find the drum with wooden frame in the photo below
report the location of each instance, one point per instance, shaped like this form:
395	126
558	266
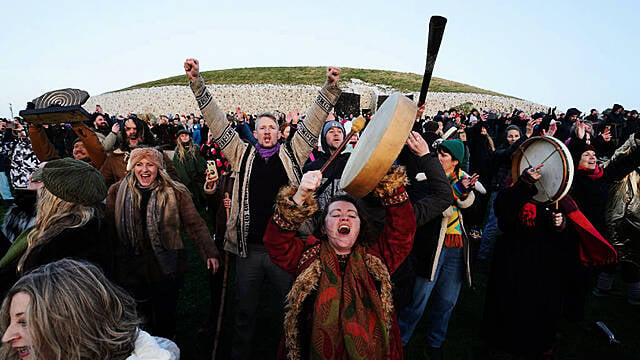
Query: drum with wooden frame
379	145
557	172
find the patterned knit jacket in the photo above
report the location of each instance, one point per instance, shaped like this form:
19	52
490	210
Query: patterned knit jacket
241	154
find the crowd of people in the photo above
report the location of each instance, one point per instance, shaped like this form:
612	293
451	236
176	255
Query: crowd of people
117	195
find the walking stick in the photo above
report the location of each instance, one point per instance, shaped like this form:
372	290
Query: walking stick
222	295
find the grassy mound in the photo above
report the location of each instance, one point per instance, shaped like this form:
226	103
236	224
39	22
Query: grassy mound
301	75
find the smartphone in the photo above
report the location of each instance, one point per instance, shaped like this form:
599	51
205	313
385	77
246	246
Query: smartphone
212	168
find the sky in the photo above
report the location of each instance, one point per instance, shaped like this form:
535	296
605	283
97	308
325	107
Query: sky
582	54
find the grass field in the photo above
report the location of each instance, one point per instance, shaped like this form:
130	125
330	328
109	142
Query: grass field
406	82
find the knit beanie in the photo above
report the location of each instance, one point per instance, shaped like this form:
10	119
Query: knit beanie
147	153
325	129
72	180
577	147
455	147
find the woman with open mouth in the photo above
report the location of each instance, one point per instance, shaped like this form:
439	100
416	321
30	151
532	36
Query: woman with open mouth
340	305
149	209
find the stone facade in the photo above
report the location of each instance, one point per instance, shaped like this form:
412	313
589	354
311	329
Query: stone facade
255	98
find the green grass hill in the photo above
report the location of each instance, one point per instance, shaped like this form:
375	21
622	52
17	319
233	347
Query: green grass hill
301	75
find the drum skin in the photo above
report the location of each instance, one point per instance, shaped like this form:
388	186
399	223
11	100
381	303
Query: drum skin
379	146
557	172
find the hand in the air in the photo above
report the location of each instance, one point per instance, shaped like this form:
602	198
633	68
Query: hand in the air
115	128
309	183
553	127
333	75
470	182
192	68
417	144
606	136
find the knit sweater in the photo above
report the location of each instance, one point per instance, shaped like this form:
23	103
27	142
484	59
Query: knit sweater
241	155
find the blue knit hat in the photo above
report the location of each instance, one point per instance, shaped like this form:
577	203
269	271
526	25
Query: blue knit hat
325	129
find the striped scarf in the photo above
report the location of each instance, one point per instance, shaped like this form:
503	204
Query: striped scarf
453	235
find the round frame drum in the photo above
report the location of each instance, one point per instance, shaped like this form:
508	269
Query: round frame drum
557	172
379	146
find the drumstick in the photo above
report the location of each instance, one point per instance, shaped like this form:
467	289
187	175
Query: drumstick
356	126
449	132
436	31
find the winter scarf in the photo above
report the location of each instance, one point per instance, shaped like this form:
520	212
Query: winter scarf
594	249
350	318
453	237
594	174
128	227
266	153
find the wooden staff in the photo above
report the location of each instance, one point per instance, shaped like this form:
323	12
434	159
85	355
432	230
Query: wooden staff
222	294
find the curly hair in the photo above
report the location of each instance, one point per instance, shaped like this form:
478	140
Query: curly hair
74	313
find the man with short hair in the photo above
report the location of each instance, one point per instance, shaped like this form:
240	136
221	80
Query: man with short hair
261	170
330	139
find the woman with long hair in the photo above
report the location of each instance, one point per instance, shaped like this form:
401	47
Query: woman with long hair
69	219
69	310
149	209
190	166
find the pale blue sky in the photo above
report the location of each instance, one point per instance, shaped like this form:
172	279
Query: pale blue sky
565	53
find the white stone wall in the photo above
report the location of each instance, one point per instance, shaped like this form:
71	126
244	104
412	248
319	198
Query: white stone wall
255	98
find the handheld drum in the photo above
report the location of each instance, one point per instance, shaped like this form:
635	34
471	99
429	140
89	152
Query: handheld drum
379	145
557	172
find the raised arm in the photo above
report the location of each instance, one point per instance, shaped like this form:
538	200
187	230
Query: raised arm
308	131
223	133
91	143
42	147
438	196
396	240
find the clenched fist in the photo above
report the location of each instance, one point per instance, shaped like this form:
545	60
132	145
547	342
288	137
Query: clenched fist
192	68
333	75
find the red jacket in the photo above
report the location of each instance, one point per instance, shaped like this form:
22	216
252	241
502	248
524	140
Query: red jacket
392	247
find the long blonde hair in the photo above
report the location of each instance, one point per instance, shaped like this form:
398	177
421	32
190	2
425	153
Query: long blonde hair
74	313
52	212
163	182
186	150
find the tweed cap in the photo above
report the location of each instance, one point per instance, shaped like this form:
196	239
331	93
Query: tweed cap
183	131
72	180
148	153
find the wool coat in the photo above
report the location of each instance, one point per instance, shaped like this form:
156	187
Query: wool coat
241	155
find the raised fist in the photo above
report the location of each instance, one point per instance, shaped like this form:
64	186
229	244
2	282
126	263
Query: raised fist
192	68
333	75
